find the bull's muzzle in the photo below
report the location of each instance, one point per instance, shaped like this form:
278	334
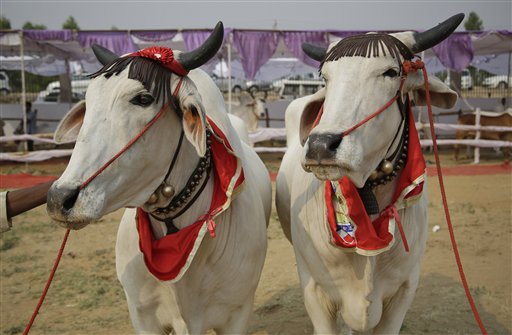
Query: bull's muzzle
322	148
61	201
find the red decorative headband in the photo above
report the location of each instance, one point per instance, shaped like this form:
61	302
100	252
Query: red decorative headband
164	56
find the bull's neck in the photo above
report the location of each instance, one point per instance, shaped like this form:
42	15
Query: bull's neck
384	194
193	189
199	207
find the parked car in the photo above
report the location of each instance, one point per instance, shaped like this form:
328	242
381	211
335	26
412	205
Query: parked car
237	85
4	83
259	86
466	81
297	86
79	84
500	81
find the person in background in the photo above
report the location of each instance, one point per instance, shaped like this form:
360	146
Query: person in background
500	108
19	201
31	125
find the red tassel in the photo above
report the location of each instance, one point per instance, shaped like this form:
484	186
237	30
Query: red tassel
211	227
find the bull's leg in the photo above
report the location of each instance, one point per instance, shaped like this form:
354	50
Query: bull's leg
145	322
506	154
456	152
395	309
238	321
320	311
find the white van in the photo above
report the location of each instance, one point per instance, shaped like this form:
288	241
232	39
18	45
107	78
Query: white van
293	89
79	84
466	82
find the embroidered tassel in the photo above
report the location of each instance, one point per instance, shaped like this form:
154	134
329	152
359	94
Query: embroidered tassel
208	218
211	227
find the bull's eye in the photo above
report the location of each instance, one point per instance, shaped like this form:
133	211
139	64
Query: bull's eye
390	73
143	99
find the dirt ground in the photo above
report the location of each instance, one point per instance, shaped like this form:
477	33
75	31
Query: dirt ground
86	298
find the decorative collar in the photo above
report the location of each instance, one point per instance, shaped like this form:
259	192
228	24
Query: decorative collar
348	220
169	257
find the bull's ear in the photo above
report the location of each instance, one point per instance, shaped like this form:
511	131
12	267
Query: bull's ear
194	123
440	94
309	114
69	127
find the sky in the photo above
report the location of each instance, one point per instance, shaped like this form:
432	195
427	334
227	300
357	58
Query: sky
247	14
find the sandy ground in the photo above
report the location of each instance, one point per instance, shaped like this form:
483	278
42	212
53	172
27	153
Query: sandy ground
86	298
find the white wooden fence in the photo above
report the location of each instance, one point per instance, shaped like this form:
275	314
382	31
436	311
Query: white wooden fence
264	134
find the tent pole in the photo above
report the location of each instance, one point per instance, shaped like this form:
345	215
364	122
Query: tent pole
23	89
229	74
509	89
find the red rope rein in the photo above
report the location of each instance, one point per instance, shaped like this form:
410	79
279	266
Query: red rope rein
447	211
48	282
82	186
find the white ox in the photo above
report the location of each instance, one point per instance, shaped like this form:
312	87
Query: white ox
217	289
250	110
370	291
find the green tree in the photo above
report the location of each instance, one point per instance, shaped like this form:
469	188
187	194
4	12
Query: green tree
70	24
30	25
114	28
4	22
473	22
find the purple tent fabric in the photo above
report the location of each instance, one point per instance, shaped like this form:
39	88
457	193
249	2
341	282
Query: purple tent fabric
118	42
456	52
294	40
255	49
194	38
48	35
155	36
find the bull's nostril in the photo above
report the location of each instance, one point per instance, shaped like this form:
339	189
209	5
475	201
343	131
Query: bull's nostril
70	200
336	143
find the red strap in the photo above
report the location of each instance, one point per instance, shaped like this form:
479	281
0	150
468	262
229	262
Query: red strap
447	211
391	212
133	140
368	118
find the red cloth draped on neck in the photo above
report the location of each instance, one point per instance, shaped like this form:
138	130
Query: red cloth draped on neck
168	258
370	238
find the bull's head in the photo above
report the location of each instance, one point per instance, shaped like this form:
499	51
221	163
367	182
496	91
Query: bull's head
121	100
360	78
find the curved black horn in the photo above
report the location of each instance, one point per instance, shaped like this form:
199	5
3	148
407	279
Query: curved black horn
103	55
196	58
313	51
435	35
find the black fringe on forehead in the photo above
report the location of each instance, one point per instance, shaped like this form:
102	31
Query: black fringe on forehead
154	77
369	45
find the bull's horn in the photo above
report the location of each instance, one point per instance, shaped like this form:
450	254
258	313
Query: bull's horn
313	51
103	55
196	58
435	35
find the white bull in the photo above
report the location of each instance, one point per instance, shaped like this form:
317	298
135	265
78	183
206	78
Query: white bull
214	286
250	110
347	267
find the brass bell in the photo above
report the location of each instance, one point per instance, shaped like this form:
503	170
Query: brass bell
152	199
386	167
374	175
168	191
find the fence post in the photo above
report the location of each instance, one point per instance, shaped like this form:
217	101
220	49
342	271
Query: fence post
477	136
267	120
